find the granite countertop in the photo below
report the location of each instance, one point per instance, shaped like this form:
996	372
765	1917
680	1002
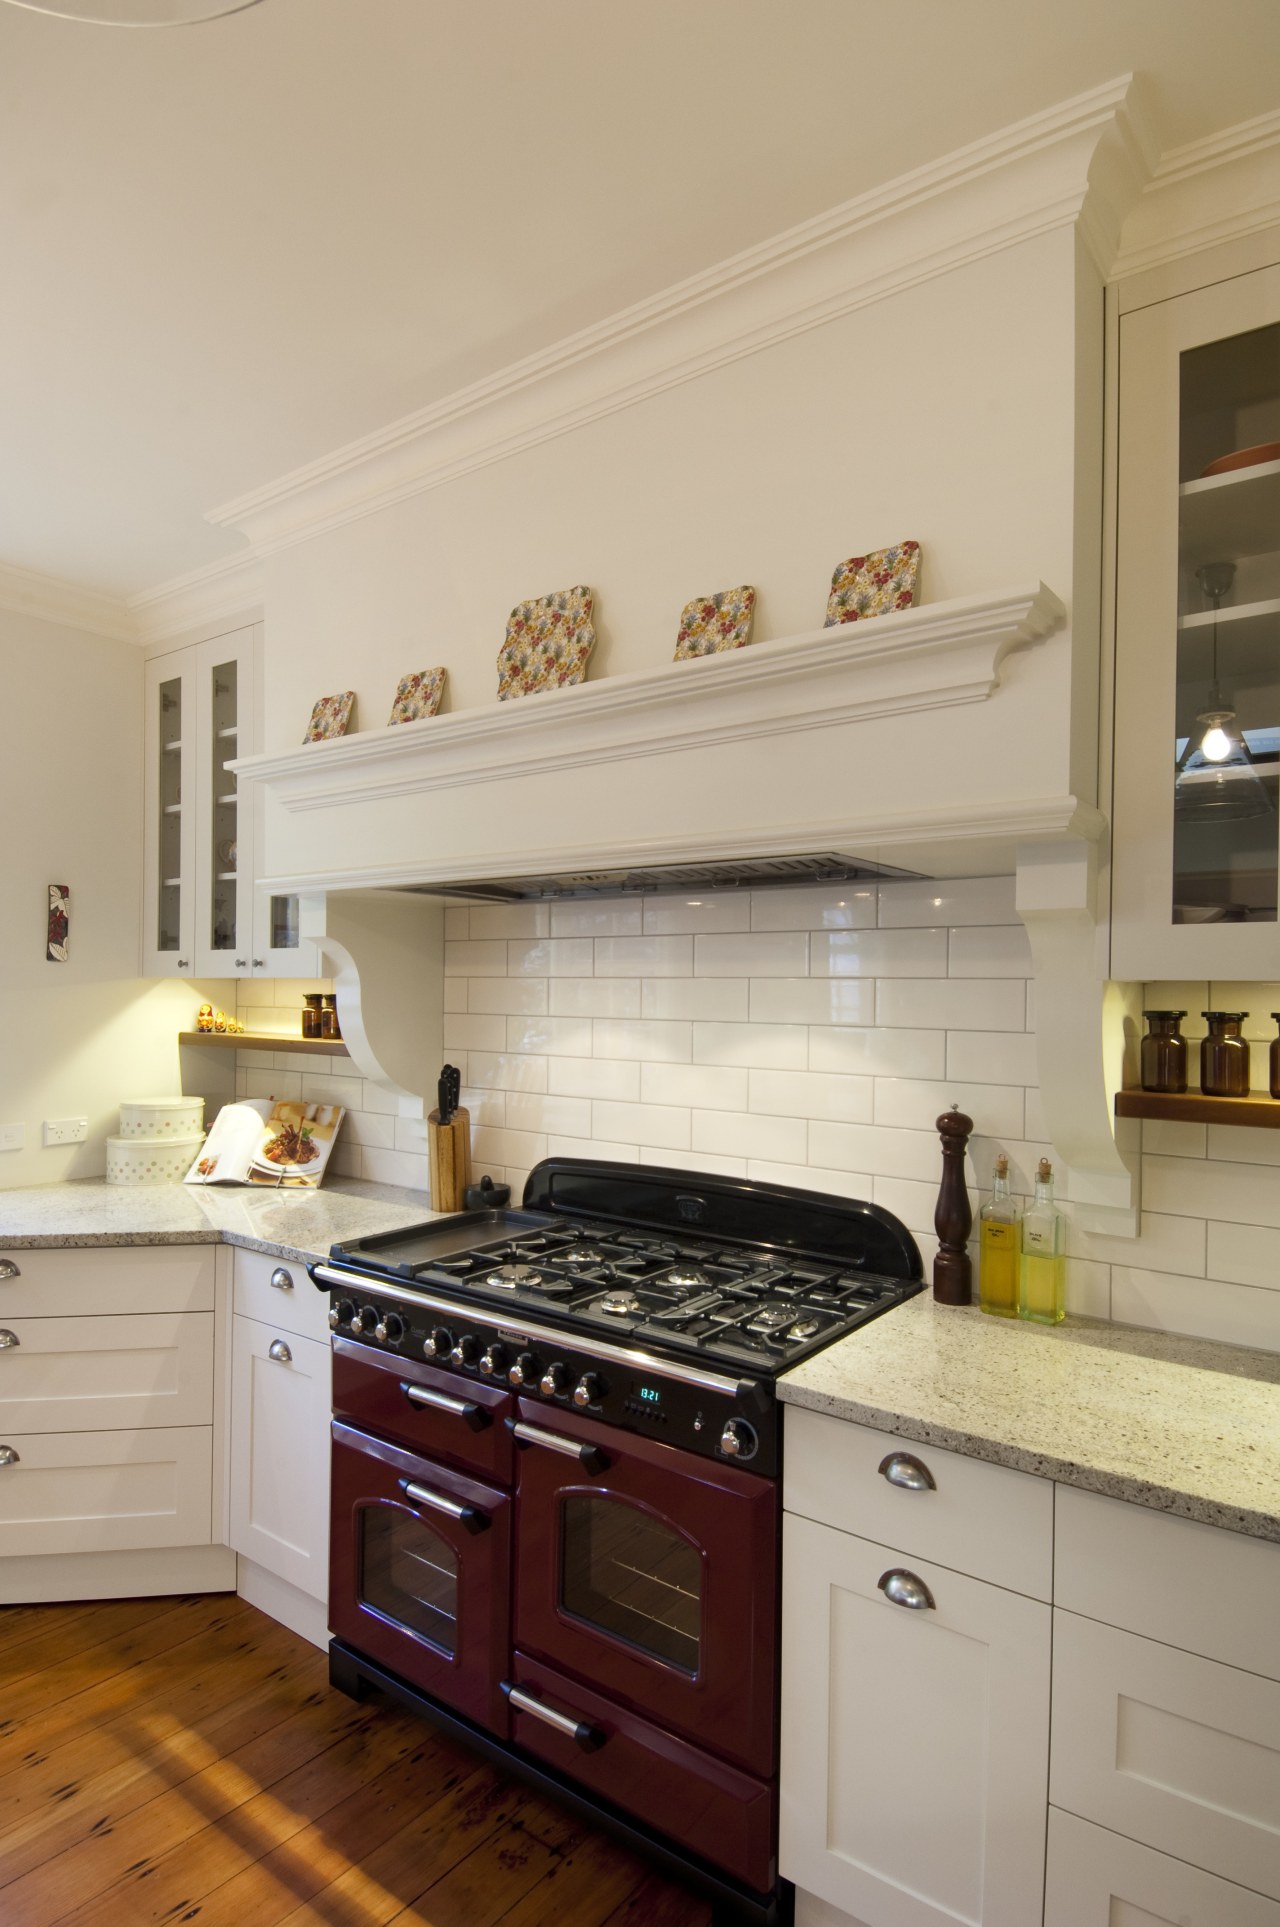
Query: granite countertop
1180	1424
289	1224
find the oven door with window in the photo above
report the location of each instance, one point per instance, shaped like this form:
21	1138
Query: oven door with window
651	1574
420	1572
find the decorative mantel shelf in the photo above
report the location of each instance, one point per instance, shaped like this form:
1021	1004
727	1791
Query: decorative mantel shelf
244	1040
1257	1111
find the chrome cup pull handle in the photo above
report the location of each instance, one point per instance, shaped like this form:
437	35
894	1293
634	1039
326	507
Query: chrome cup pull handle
582	1732
282	1279
9	1341
903	1588
589	1456
905	1470
472	1415
8	1270
469	1516
8	1456
278	1350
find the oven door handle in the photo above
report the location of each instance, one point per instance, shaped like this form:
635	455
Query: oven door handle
587	1455
581	1732
471	1414
469	1516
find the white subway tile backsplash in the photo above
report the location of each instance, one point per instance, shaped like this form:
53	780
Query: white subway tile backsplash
963	900
522	996
977	951
872	1147
648	956
367	1127
878	953
1245	1254
910	1199
811	1094
317	1088
808	1177
914	1105
1161	1137
695	997
271	1084
665	1126
593	1077
510	920
1164	1243
455	992
696	1161
717	910
992	1056
490	1146
595	997
552	957
1034	1125
411	1134
779	1047
570	1116
472	958
374	1098
757	953
395	1167
484	1107
591	1147
1241	1144
821	906
474	1033
931	1003
781	1139
457	922
598	918
1234	1314
1088	1289
714	1087
1197	1188
506	1071
652	1042
550	1036
879	1053
812	1000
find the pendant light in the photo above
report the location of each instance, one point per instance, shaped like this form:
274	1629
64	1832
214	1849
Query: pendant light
136	13
1216	779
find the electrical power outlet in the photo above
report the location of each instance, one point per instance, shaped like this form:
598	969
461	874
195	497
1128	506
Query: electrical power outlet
66	1130
13	1137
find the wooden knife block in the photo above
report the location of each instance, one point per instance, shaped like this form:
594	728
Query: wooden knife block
449	1159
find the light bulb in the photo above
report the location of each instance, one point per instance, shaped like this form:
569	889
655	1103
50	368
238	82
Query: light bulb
1216	746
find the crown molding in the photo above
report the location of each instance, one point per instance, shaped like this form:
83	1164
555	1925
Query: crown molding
192	601
1211	191
29	593
1214	150
1084	159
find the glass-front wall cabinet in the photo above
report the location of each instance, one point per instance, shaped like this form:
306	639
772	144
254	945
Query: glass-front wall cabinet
1196	860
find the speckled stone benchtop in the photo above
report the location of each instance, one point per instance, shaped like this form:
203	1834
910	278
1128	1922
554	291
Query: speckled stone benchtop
1180	1424
289	1224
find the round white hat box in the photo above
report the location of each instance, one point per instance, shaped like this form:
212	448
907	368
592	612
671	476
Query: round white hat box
165	1117
150	1160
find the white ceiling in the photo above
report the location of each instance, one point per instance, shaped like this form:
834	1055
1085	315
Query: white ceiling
227	249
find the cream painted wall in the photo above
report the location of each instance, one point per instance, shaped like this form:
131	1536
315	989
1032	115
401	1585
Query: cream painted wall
79	1036
947	413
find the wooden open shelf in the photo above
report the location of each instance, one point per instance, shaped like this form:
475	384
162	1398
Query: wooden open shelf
1193	1107
243	1040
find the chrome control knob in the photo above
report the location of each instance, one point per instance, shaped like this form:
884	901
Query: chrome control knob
364	1321
739	1440
341	1313
589	1389
439	1344
524	1371
494	1361
465	1351
389	1328
554	1381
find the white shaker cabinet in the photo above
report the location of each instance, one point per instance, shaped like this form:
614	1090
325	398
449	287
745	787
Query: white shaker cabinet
915	1696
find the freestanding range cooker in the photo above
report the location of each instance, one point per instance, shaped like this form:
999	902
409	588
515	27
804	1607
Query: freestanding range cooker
555	1511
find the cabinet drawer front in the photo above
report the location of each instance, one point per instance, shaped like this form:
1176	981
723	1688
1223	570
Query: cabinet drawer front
976	1518
107	1491
1178	1752
295	1306
1098	1879
107	1280
915	1744
279	1496
107	1374
1198	1587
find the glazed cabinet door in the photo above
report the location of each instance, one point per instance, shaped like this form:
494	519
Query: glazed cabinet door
169	829
279	1495
915	1737
224	684
1196	846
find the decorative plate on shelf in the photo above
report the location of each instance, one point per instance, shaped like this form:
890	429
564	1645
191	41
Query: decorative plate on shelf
711	623
1243	458
330	717
874	584
417	696
548	644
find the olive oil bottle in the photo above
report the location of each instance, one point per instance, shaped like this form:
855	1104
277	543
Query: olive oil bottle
998	1247
1043	1265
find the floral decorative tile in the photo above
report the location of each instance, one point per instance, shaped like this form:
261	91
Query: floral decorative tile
875	584
417	696
548	643
711	623
330	717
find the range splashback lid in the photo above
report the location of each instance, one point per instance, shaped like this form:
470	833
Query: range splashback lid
747	873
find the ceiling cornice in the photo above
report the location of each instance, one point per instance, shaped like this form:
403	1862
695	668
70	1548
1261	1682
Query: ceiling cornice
1082	160
29	593
1208	192
194	600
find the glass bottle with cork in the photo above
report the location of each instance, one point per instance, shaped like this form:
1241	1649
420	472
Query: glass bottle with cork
1042	1264
998	1247
1224	1055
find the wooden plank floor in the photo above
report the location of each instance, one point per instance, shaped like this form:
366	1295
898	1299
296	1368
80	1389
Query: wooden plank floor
170	1760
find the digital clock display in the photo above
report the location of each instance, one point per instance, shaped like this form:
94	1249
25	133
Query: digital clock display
649	1395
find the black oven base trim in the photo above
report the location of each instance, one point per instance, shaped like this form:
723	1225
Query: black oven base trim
352	1673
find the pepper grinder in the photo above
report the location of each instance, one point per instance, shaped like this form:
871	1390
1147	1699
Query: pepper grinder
953	1218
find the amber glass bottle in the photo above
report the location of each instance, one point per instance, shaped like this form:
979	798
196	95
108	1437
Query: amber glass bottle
1164	1052
1274	1085
1224	1055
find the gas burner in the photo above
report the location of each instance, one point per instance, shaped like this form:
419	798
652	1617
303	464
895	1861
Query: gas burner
580	1255
514	1277
619	1304
684	1274
805	1328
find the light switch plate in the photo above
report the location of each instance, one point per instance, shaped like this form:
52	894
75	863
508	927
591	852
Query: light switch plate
13	1137
66	1130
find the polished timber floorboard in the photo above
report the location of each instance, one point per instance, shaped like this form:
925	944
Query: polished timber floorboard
170	1760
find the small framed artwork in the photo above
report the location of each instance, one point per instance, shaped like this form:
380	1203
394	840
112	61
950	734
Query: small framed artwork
331	717
874	584
417	696
711	623
59	923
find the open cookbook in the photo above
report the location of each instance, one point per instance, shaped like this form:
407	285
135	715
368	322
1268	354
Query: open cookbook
282	1143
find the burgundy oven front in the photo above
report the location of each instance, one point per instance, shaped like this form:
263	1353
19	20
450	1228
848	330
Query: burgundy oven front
602	1601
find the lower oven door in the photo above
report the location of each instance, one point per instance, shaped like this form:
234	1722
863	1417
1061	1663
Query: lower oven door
420	1572
651	1574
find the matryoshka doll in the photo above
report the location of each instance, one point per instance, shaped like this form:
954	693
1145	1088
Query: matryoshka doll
204	1017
